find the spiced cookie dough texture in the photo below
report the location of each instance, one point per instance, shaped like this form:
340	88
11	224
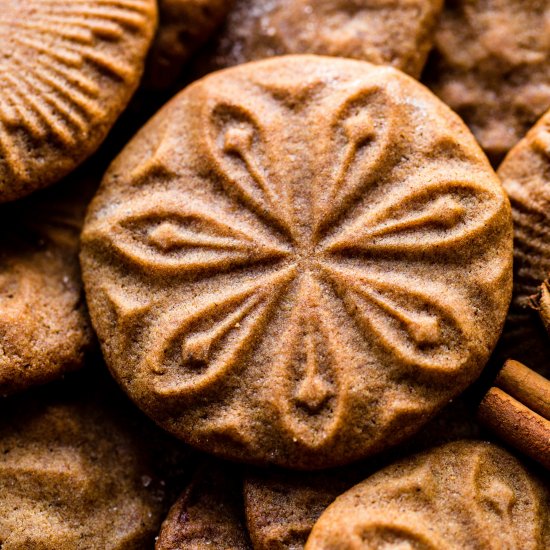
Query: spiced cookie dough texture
492	66
525	175
464	495
392	32
67	70
72	477
44	326
298	271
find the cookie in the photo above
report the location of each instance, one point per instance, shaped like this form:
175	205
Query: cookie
282	506
44	325
298	271
184	26
209	513
67	71
464	495
73	476
525	175
491	65
392	32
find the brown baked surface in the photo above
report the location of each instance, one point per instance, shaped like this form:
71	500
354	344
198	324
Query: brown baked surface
44	325
491	65
392	32
525	174
463	495
209	513
299	272
67	70
184	26
73	475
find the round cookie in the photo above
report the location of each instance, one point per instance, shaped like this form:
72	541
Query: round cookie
44	325
392	32
208	514
67	71
491	64
298	271
463	495
184	26
525	175
73	476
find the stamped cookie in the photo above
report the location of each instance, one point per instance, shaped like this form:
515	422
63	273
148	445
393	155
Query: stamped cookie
392	32
491	65
298	271
209	513
464	495
67	70
184	26
525	174
73	477
44	326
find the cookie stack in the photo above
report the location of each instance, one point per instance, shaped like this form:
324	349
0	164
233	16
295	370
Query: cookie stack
256	278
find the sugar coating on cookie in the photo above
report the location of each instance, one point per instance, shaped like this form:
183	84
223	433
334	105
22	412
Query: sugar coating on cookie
298	261
492	66
67	71
392	32
463	495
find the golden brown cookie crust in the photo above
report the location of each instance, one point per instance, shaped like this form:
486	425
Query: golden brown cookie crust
72	476
525	175
392	32
464	495
44	325
298	271
67	71
492	66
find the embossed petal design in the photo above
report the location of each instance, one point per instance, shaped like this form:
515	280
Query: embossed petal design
305	257
78	49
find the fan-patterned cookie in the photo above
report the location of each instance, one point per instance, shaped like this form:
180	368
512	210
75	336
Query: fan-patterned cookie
463	495
298	270
67	70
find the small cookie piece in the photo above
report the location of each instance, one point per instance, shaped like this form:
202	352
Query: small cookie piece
67	70
72	476
44	325
209	513
525	175
491	64
392	32
184	26
298	271
463	495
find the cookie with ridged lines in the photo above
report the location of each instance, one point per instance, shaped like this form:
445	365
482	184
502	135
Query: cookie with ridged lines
393	32
74	474
44	325
67	71
525	175
463	495
281	506
298	271
208	514
491	64
184	26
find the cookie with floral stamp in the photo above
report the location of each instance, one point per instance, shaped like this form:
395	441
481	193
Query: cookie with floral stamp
298	271
463	495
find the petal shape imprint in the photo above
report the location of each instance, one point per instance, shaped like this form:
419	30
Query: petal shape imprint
168	235
237	142
428	329
209	338
310	400
421	219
